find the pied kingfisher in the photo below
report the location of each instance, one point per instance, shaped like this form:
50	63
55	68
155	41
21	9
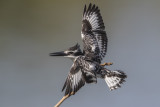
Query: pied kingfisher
87	65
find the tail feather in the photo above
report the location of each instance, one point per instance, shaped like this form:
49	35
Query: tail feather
114	79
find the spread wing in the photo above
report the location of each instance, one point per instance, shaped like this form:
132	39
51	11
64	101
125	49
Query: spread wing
77	78
93	34
74	81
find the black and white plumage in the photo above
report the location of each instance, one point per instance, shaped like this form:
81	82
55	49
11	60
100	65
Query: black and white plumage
84	70
86	66
81	72
75	80
93	34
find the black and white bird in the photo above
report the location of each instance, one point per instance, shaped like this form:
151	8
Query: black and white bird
87	65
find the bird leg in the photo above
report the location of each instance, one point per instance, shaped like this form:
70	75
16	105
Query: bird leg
107	64
64	98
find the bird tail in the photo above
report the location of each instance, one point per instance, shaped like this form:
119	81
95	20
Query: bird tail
114	79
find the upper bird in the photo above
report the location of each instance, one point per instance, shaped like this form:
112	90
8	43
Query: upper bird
87	65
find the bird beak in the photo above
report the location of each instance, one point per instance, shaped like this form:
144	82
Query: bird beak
58	54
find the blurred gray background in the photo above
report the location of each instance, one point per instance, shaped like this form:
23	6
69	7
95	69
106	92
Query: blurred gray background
31	29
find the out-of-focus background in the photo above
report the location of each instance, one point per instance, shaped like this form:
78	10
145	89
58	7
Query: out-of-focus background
31	29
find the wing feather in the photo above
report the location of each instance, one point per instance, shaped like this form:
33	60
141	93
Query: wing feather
78	76
74	81
93	33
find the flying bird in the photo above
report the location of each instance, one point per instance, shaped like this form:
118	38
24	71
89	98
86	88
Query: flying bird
87	67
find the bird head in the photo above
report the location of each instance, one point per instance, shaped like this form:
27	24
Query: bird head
72	52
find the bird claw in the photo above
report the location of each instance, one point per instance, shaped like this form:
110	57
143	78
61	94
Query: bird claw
107	64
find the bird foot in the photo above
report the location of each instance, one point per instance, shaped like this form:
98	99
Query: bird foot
107	64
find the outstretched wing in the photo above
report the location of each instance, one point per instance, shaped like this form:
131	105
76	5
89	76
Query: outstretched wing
74	81
78	76
93	34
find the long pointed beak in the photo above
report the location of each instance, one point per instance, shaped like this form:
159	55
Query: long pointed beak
58	54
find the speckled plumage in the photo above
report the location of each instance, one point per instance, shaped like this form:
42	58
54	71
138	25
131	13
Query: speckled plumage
86	66
93	34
